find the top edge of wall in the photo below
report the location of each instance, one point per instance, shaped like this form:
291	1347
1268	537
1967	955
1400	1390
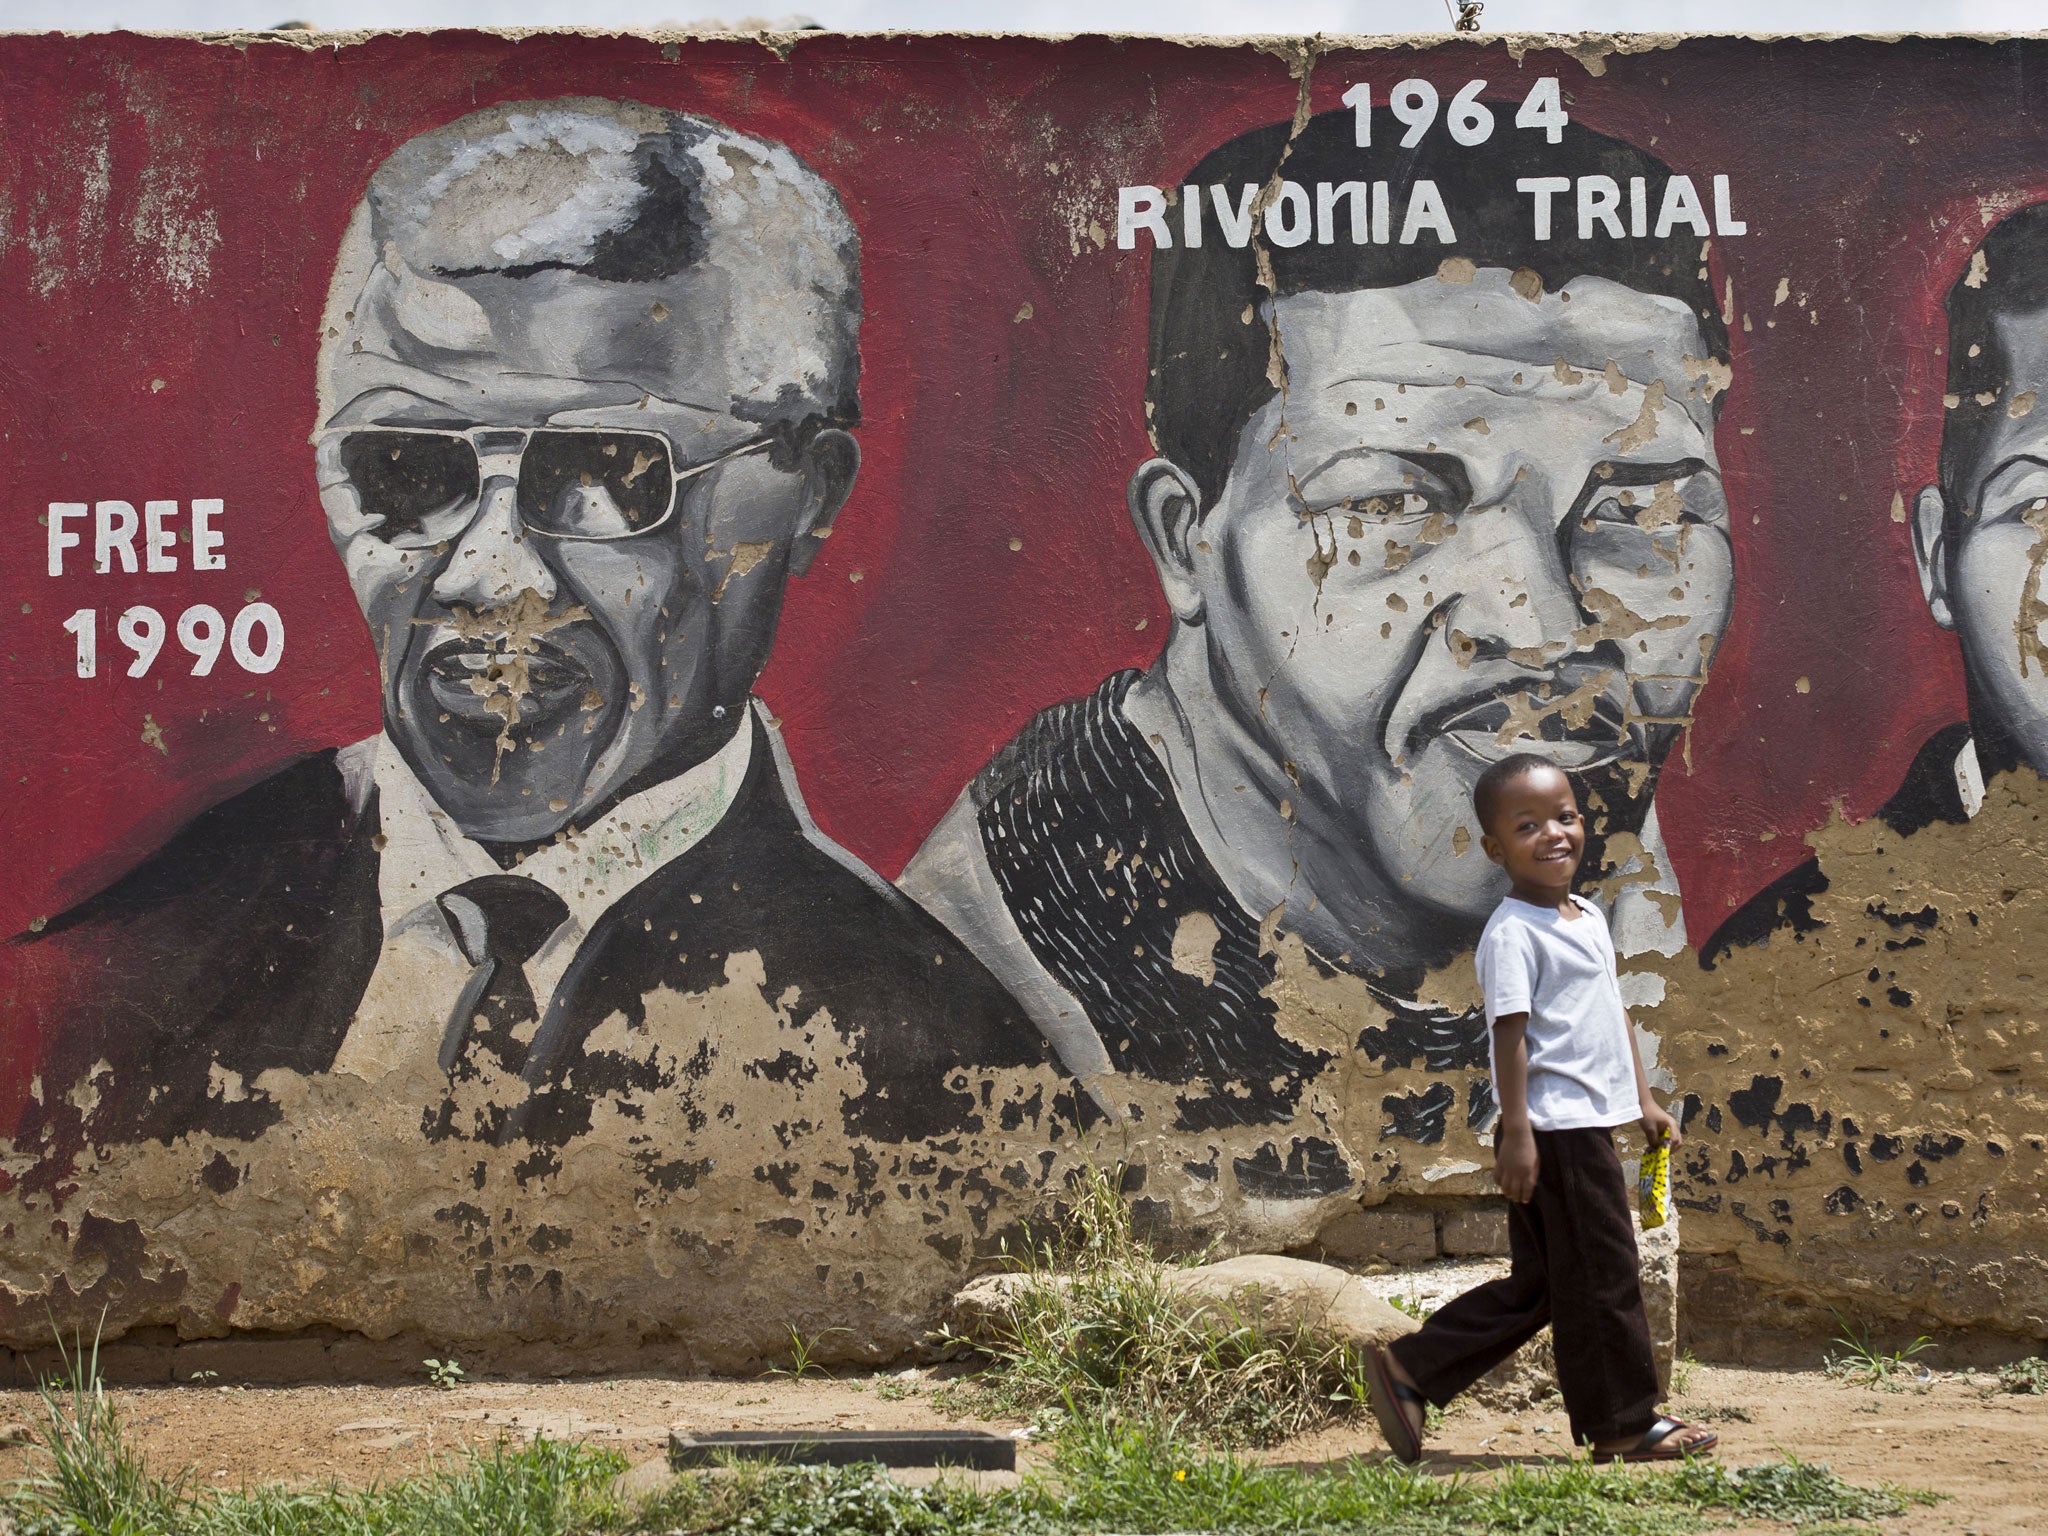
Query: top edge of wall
1589	44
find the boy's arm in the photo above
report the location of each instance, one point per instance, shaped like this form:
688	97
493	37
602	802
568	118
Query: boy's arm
1658	1124
1514	1142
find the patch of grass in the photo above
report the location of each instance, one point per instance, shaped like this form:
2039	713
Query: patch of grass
1130	1478
856	1501
1106	1474
1861	1361
1097	1328
91	1482
2028	1377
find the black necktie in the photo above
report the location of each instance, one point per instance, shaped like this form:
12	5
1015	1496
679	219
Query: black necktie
499	921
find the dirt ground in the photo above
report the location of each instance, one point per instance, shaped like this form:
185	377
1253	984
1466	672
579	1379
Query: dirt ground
1953	1435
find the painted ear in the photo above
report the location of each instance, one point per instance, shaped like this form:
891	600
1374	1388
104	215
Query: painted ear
1167	509
1930	553
830	462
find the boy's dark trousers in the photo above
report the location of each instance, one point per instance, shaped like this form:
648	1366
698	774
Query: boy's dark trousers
1573	1247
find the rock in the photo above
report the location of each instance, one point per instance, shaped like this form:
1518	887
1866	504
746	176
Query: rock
981	1309
1277	1292
1523	1380
1282	1292
1659	1251
1386	1234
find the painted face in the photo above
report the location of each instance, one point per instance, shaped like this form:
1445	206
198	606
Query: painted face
1991	590
1473	524
1537	835
529	678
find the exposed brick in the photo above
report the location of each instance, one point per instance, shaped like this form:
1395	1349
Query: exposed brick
352	1357
260	1360
1387	1234
1478	1231
136	1365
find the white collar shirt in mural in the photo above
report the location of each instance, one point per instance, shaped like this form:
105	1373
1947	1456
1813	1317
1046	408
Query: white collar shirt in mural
421	968
1969	779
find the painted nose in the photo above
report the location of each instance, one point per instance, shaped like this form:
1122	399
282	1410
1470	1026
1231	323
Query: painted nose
496	559
1517	602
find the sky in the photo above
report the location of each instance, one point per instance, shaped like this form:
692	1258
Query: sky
1161	16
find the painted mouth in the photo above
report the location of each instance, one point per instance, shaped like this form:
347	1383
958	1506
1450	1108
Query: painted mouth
494	686
1575	728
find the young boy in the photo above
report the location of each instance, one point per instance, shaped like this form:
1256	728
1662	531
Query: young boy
1565	1072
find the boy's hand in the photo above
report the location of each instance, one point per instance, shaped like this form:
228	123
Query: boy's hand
1515	1163
1659	1126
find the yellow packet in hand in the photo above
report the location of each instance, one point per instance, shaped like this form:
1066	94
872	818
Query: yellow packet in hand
1653	1186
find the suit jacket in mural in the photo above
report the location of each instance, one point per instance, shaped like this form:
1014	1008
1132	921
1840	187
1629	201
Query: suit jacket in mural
1097	867
245	945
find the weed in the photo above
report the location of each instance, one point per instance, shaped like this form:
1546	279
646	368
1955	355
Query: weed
2028	1377
1863	1362
1413	1305
93	1482
1683	1370
445	1374
803	1354
894	1391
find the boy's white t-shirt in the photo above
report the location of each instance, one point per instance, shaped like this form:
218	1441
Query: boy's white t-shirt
1562	974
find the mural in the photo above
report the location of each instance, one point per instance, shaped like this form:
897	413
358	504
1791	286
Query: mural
658	681
575	354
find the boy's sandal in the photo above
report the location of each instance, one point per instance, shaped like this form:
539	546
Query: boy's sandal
1388	1394
1661	1442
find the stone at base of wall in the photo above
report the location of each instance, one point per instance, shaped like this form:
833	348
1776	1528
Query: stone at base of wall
1727	1319
157	1357
1413	1230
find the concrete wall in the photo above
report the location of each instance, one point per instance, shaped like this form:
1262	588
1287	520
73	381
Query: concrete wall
654	682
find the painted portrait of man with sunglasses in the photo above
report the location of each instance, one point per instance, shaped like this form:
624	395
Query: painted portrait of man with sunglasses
586	383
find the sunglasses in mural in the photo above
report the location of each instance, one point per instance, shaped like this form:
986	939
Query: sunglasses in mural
426	484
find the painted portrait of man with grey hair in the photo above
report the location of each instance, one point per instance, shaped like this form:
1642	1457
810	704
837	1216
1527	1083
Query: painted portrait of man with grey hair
587	384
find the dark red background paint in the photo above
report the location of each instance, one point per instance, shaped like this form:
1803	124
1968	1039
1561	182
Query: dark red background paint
1003	357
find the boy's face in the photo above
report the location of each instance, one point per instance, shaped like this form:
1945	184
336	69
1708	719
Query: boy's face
1535	832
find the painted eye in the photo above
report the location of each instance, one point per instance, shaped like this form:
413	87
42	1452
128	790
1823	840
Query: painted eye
1649	507
1388	507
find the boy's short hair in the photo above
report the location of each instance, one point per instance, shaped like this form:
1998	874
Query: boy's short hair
1494	782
